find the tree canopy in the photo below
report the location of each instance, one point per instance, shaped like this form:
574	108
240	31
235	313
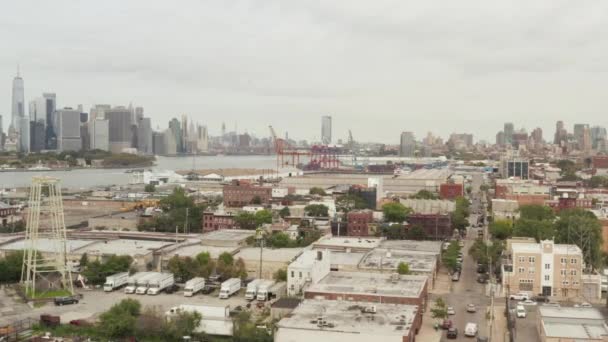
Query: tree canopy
395	212
424	194
582	228
317	191
501	229
317	210
403	268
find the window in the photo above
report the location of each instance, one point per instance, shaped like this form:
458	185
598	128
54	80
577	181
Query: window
565	282
521	270
573	261
573	272
531	270
293	274
563	260
547	278
300	275
531	259
522	259
562	272
547	266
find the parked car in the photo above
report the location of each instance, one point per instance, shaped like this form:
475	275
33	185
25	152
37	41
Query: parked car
66	300
521	311
541	299
583	305
481	268
446	324
528	302
470	329
519	296
456	276
452	333
471	308
451	310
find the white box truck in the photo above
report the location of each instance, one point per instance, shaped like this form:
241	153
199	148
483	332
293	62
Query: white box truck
115	281
193	286
143	283
263	289
277	290
230	287
132	281
163	281
252	289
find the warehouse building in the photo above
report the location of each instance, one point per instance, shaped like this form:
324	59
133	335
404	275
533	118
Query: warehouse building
566	324
322	320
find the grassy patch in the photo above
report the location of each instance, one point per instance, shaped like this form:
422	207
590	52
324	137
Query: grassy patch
47	294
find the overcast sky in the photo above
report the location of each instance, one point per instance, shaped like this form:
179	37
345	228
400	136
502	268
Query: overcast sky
378	67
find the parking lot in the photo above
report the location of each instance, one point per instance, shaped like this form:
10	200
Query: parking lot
95	302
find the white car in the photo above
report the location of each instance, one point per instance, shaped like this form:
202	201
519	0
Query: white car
519	296
583	305
528	302
521	311
470	329
451	311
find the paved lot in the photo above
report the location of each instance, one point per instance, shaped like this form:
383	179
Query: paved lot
95	302
525	328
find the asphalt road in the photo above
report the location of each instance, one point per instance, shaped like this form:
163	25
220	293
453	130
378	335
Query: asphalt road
467	290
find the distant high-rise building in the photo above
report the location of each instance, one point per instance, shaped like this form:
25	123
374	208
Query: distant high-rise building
171	141
19	128
99	111
500	138
176	133
598	134
537	135
68	130
508	131
37	136
120	131
99	134
326	129
24	134
407	147
47	106
461	140
561	134
158	143
202	138
144	135
578	132
1	134
586	144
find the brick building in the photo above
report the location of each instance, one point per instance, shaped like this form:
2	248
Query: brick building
218	221
358	222
438	226
241	193
450	191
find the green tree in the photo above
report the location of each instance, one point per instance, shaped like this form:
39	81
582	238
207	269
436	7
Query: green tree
150	188
280	275
395	212
184	269
415	232
317	210
501	229
484	252
439	310
246	220
226	258
278	240
394	232
450	256
424	194
536	212
582	228
256	200
84	260
120	320
403	268
540	230
96	271
10	267
245	330
317	191
284	212
346	203
262	217
182	323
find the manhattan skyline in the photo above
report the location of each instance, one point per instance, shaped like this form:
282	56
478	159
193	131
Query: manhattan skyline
391	66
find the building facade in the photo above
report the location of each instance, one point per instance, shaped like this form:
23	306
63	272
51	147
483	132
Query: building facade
120	133
358	222
239	194
309	268
218	221
326	129
68	130
407	146
544	268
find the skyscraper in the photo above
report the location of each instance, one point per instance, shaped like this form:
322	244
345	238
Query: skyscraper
326	129
407	147
500	138
48	114
560	133
17	134
578	132
99	134
176	133
508	130
144	135
598	134
68	130
120	131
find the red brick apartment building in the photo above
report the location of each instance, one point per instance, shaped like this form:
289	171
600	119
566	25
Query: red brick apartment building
450	191
240	193
358	222
213	221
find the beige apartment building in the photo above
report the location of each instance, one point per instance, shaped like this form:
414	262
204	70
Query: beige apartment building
543	268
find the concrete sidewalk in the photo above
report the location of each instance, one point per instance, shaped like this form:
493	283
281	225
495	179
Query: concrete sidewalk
427	331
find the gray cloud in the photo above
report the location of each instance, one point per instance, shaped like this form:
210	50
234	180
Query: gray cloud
378	67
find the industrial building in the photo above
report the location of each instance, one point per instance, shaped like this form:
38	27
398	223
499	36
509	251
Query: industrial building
371	287
560	324
272	260
322	320
240	193
309	268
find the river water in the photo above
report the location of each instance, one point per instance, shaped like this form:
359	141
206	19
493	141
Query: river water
87	178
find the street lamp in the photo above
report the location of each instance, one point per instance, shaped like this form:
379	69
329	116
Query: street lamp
259	236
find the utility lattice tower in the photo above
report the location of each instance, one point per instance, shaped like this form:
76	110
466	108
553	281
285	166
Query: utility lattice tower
45	201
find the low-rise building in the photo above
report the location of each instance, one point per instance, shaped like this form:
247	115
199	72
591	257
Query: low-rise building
358	222
425	206
322	320
503	209
450	191
566	324
218	221
371	287
272	260
241	193
309	268
544	268
436	226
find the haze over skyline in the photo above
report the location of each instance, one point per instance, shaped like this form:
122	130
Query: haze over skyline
377	68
